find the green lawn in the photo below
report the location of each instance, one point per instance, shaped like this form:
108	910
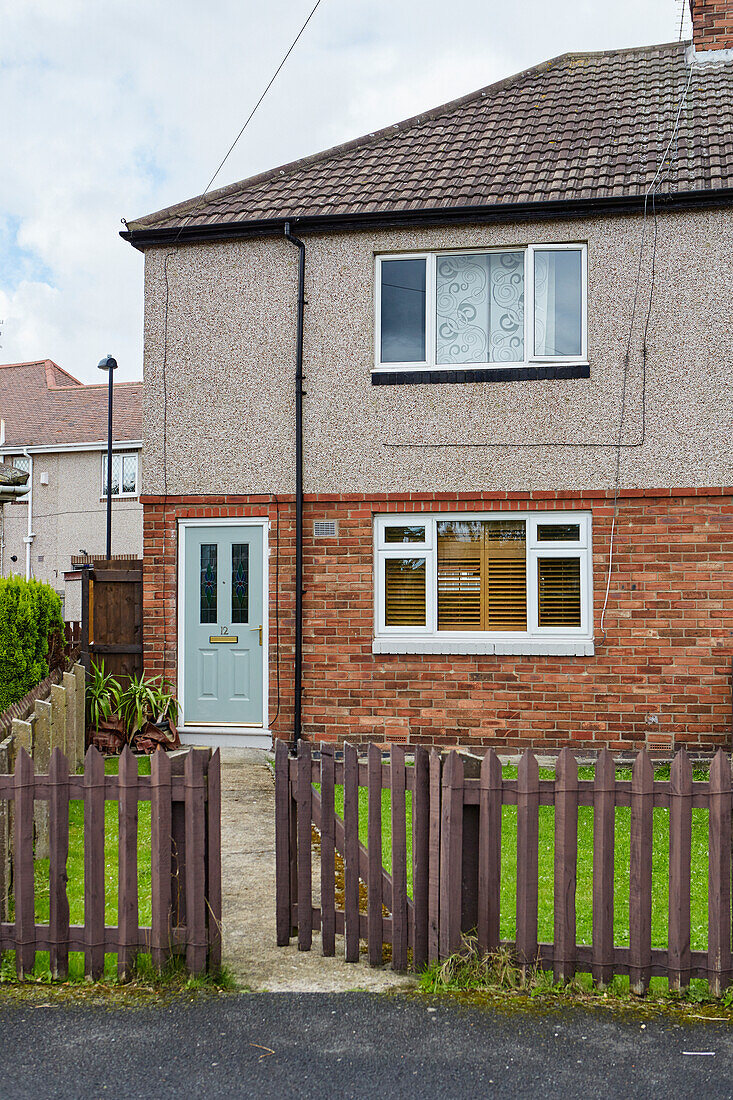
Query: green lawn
584	891
75	871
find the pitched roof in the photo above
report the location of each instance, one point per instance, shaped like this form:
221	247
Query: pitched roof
11	475
584	126
42	404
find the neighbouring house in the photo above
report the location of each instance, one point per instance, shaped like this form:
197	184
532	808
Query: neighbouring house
514	421
54	429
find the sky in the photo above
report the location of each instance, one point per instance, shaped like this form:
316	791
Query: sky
117	109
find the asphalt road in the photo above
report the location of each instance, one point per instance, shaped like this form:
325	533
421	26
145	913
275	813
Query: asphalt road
354	1045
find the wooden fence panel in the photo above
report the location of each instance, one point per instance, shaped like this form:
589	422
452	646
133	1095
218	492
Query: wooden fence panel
399	859
351	852
604	831
566	864
112	617
305	885
25	923
420	856
451	846
528	802
719	876
58	778
374	847
489	853
160	858
94	864
640	874
680	854
328	852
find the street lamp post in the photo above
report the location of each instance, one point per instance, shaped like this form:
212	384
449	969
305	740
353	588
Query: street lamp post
110	365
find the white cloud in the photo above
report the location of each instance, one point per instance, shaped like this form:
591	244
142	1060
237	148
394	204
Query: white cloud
124	107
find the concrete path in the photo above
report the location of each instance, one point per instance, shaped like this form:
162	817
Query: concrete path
248	881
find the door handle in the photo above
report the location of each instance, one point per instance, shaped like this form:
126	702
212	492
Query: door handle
259	628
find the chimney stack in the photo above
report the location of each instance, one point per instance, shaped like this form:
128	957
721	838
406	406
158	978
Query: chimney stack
712	24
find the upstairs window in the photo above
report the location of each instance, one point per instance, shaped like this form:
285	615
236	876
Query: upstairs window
124	474
508	575
482	308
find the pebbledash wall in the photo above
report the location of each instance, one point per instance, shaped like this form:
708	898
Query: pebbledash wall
226	411
662	677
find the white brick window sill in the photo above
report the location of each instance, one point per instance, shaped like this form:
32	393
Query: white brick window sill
529	648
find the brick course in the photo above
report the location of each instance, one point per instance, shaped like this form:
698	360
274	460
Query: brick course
662	676
712	24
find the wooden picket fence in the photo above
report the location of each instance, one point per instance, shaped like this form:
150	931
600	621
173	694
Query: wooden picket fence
457	860
185	797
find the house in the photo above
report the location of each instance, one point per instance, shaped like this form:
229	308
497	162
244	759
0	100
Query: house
464	386
13	483
55	429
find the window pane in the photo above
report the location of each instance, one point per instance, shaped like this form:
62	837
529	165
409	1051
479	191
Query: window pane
116	474
404	587
240	582
557	302
480	308
21	463
482	583
558	532
403	311
558	581
404	534
208	582
129	473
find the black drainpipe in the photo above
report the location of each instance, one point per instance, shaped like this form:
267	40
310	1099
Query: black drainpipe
298	488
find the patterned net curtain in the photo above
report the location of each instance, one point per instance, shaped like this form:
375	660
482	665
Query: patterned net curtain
480	308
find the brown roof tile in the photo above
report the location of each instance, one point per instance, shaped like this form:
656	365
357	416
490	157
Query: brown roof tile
581	126
42	404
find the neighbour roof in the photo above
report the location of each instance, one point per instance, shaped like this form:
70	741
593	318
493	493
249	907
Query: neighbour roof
11	475
584	126
42	404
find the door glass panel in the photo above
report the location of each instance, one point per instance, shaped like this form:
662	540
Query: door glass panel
208	582
240	582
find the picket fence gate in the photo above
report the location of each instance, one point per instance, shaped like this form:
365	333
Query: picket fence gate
185	798
457	859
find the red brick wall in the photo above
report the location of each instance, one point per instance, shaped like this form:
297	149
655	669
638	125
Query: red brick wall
712	24
663	674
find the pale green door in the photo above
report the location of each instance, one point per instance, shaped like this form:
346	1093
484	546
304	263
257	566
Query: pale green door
223	626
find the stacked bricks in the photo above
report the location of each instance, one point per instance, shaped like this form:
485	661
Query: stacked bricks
661	678
712	24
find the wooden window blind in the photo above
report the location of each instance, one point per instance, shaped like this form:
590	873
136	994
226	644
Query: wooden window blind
482	575
404	592
558	583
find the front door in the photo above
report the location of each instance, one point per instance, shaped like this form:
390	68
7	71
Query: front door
223	626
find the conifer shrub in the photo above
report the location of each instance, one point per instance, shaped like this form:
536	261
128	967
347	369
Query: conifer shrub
30	612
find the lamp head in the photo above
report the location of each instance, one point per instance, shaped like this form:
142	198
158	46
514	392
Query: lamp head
108	363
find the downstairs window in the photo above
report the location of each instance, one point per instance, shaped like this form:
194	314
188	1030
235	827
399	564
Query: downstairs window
499	577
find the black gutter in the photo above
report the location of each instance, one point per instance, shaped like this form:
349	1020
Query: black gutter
298	488
445	215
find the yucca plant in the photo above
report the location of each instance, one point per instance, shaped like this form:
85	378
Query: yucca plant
103	692
145	700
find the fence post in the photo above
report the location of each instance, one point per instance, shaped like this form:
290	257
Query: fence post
196	939
489	852
24	892
528	801
283	855
5	834
160	858
604	819
81	712
351	852
213	859
451	856
305	834
127	905
680	857
69	686
640	874
58	718
420	857
58	778
719	868
41	760
566	863
94	864
436	766
399	858
328	852
374	849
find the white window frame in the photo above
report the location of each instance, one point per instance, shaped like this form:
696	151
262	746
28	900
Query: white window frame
535	639
431	258
123	455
